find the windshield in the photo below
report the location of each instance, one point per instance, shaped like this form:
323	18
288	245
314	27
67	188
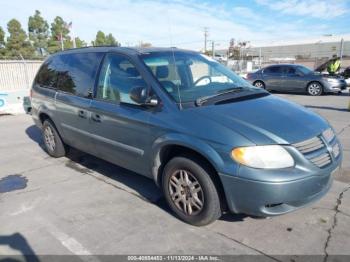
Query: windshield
189	76
305	70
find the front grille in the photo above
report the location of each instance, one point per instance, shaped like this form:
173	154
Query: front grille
316	149
309	145
322	160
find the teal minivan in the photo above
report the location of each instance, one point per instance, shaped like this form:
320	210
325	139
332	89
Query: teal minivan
213	142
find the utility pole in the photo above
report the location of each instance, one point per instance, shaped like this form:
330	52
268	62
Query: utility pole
260	58
206	34
213	49
341	49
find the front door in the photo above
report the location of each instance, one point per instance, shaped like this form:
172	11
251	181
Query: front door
120	126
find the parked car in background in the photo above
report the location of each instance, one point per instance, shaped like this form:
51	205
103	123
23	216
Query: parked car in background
296	78
209	139
346	75
220	58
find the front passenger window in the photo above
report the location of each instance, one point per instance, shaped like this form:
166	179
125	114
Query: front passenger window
117	77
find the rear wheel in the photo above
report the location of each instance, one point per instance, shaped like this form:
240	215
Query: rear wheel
259	84
314	89
53	142
190	192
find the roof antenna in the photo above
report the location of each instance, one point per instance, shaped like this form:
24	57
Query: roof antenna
174	60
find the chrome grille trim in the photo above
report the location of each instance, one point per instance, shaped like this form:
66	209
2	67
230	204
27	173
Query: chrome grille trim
315	150
309	145
322	160
328	134
336	150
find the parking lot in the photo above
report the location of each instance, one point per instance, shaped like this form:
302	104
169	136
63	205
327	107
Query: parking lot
82	205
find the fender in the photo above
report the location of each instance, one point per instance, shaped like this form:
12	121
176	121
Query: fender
190	142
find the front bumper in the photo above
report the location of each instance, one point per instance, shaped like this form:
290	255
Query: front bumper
335	87
347	82
273	197
270	199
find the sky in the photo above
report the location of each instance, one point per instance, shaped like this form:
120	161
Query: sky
181	22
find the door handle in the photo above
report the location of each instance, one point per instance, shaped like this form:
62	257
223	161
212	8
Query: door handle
96	117
82	113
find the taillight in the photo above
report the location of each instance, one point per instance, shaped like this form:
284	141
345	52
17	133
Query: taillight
248	76
30	93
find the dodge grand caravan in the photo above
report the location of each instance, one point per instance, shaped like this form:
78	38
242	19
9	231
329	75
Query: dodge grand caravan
213	142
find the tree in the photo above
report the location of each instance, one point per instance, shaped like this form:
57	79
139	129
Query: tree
145	45
110	40
100	39
2	37
79	42
59	29
17	43
38	31
2	42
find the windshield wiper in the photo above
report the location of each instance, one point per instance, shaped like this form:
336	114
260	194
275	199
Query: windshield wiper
200	101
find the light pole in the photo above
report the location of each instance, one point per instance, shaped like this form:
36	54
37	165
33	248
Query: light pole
206	33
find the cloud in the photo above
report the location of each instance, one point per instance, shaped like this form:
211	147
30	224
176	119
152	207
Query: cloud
162	23
159	22
325	9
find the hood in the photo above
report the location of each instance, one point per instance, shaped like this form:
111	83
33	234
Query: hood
267	120
322	67
338	77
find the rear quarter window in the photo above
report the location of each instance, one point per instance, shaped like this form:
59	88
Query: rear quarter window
47	75
77	72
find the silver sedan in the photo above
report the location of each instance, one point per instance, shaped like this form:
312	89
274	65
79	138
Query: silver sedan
296	78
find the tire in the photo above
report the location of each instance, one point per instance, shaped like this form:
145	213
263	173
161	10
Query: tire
314	89
53	143
259	84
201	187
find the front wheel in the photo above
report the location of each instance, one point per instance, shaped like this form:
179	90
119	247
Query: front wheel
314	89
190	192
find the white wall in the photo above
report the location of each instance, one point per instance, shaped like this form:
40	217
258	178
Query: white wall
16	78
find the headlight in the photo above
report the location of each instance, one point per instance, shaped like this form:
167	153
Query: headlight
271	156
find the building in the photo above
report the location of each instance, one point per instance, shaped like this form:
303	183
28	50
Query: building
312	48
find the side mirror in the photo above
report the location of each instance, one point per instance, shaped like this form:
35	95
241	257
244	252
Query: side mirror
140	96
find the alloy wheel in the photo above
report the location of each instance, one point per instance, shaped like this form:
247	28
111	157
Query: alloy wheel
186	192
49	138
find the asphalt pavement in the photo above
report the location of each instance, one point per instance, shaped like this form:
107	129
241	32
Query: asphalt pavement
81	205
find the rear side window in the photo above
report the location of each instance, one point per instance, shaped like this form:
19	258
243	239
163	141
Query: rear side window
47	75
288	70
273	70
77	72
